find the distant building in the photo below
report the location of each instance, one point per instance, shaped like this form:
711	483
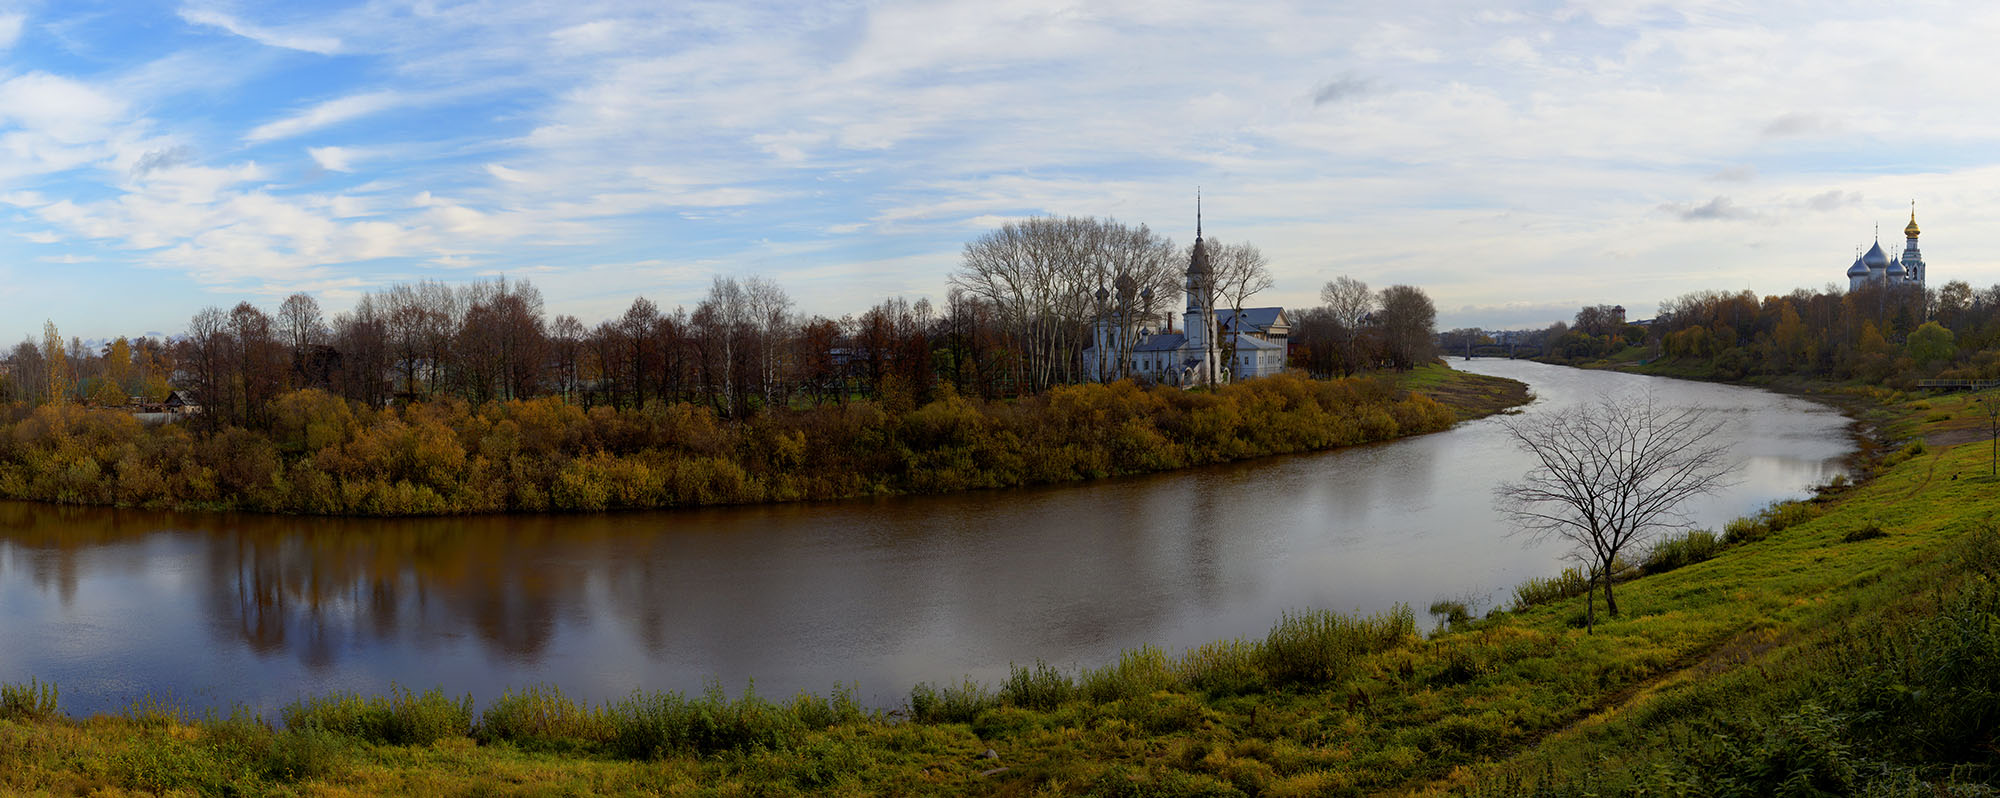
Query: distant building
181	403
1198	354
1875	267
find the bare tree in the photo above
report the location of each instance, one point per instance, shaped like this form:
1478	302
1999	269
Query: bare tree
1236	273
1611	474
771	321
566	337
1042	274
301	327
1348	301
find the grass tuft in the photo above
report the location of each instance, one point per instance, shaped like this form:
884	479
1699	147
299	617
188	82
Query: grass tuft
28	702
1675	551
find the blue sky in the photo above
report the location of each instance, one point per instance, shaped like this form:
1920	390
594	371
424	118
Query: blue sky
1514	160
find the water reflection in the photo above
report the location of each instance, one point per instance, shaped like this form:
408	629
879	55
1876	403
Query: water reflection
222	609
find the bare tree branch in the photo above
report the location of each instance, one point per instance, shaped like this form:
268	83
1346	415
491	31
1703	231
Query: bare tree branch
1612	474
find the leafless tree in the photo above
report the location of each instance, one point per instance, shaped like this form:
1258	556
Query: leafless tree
721	323
1042	275
771	322
1349	302
1611	474
1236	273
566	347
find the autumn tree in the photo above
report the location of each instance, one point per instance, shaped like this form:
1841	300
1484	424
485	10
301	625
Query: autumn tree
1408	322
56	362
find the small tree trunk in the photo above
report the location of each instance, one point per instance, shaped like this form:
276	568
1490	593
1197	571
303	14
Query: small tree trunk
1590	606
1610	602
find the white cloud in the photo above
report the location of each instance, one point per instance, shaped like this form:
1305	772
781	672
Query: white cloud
65	110
40	237
331	112
10	29
323	45
333	159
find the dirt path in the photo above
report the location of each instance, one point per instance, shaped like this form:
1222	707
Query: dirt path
1725	655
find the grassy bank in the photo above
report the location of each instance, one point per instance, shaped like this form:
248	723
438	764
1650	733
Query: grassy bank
324	455
1840	645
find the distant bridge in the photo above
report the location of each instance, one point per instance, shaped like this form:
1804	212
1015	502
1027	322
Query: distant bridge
1957	385
1497	350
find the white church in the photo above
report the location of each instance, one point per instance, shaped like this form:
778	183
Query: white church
1213	347
1875	268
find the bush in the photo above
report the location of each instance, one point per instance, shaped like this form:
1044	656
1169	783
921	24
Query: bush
542	717
1319	647
1451	613
1040	687
28	702
1675	551
1537	591
1223	667
302	754
1979	550
652	725
1868	531
836	708
1784	515
1744	530
402	718
950	704
1136	674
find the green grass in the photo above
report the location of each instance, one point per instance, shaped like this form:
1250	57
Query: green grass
1804	655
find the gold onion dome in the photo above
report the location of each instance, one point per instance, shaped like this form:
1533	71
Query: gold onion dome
1911	231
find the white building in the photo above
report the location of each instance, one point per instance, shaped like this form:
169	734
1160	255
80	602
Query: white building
1211	347
1876	267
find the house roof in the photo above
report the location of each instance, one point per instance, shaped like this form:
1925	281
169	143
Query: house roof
1253	342
1164	342
1253	318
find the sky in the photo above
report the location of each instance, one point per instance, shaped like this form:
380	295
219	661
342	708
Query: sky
1516	161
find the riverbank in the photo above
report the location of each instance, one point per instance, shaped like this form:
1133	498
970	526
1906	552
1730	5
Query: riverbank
1876	428
1832	650
326	456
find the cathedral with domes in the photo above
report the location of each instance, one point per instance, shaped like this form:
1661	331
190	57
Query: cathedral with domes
1876	268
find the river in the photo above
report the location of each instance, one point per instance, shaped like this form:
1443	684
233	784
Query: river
215	611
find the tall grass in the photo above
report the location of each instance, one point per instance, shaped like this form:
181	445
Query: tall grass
403	717
1538	590
1317	647
1688	548
653	725
541	716
1039	687
1778	517
1136	674
31	701
958	703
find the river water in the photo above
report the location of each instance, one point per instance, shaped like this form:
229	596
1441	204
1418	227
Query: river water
214	611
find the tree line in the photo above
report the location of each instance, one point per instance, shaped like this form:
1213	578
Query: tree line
1014	322
1890	335
321	454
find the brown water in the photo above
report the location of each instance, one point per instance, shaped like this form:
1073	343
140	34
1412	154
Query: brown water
218	610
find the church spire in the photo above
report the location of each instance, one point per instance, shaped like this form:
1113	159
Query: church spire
1912	231
1197	212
